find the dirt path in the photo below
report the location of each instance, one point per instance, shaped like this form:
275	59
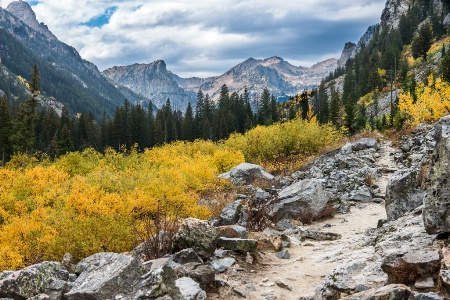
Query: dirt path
311	260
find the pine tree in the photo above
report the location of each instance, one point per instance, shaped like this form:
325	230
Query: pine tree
65	143
304	104
25	137
422	42
6	130
445	67
151	126
322	99
264	114
335	107
188	124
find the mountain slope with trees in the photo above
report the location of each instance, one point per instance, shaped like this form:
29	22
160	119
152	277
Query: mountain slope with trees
65	76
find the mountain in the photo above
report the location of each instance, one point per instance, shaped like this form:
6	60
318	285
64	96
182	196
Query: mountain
65	76
278	75
152	81
155	82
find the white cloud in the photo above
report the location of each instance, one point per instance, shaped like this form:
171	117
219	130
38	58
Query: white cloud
197	37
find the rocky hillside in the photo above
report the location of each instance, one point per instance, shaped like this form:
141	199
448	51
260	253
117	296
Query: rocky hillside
155	82
65	76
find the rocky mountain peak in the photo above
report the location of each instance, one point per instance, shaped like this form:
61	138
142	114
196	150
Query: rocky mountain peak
25	13
348	52
392	12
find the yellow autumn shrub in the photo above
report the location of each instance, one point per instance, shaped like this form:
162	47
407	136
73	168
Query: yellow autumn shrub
87	202
433	102
271	143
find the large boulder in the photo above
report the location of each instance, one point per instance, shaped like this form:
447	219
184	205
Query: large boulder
362	144
242	245
303	199
157	284
45	278
403	193
388	292
409	267
189	289
231	213
337	282
436	212
198	235
247	173
203	274
105	275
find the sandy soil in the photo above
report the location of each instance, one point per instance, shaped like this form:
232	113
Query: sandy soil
310	260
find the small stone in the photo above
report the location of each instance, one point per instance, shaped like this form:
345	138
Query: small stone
283	285
223	264
283	254
423	284
428	296
239	292
251	288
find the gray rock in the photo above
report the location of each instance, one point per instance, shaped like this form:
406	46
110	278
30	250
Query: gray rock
247	173
306	198
239	292
436	213
283	254
402	193
445	277
362	195
223	264
242	245
320	235
189	289
159	282
284	225
203	274
446	20
232	231
231	213
428	296
186	256
391	292
365	143
282	284
40	297
423	284
105	275
410	266
198	235
335	283
44	278
262	195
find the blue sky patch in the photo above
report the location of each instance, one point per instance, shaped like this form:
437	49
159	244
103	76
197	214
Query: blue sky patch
99	21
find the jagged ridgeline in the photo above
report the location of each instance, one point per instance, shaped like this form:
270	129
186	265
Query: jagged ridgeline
74	82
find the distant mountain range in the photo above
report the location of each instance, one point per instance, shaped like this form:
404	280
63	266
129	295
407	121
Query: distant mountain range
71	81
155	82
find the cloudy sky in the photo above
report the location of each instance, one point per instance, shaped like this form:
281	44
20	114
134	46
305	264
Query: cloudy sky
206	37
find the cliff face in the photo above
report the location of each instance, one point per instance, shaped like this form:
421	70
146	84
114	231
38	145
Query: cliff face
392	12
348	52
152	81
25	13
